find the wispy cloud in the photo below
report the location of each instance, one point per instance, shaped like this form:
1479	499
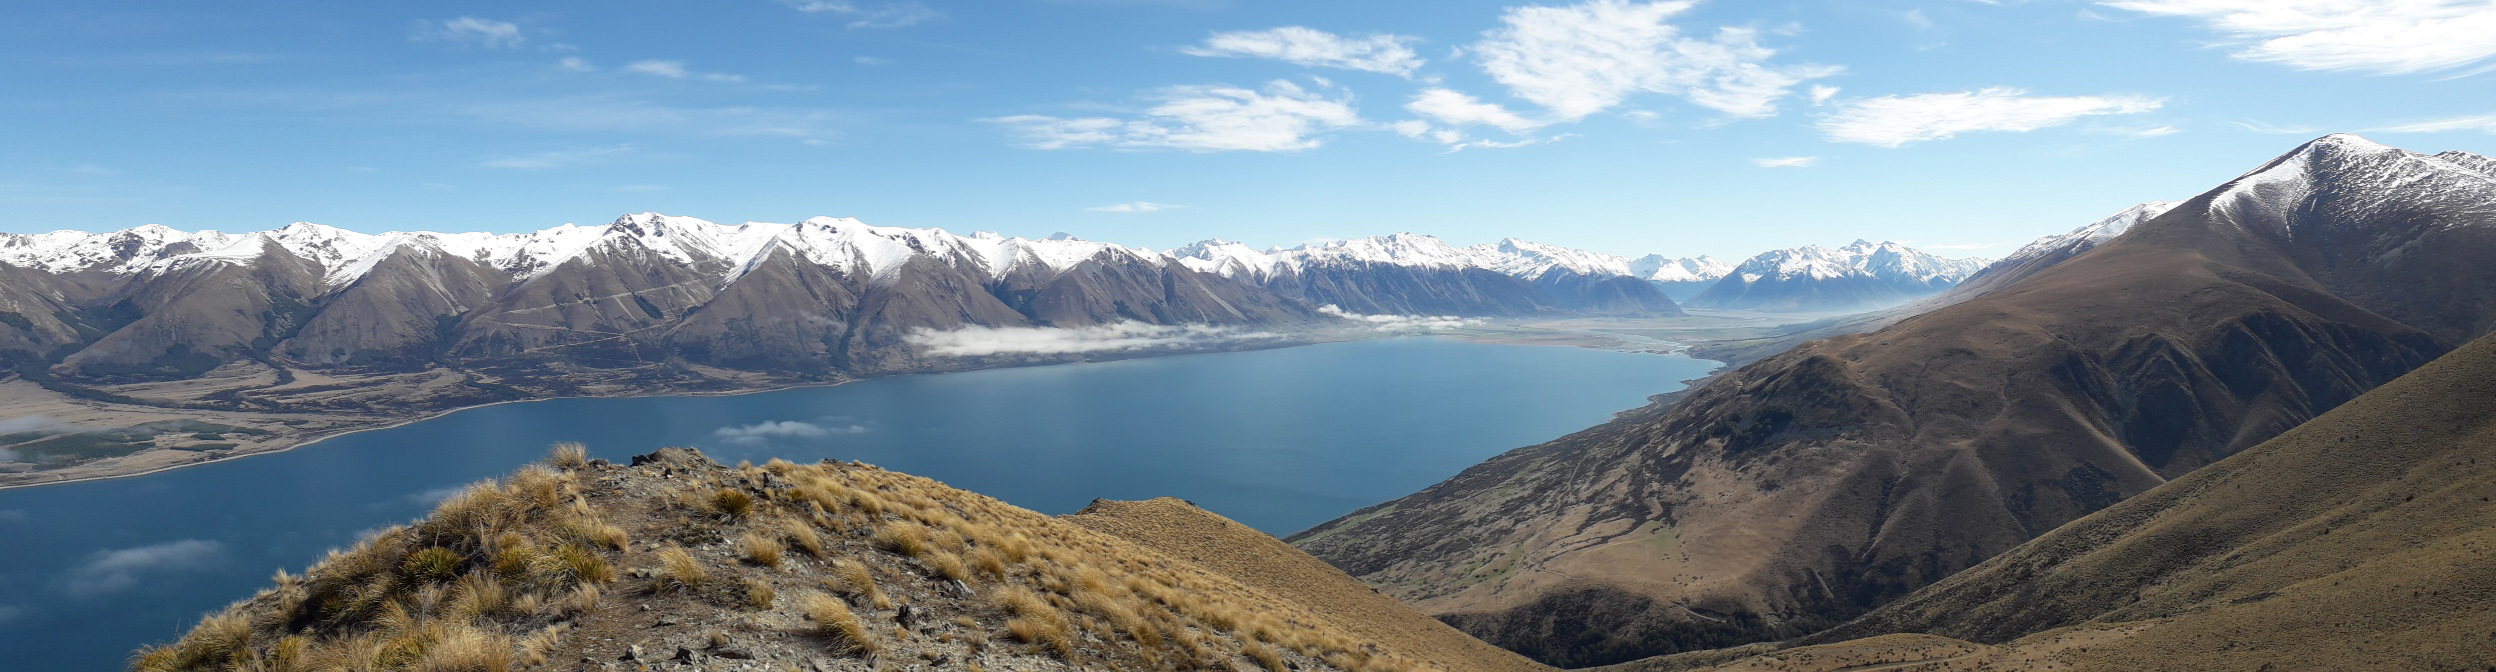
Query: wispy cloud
118	570
1138	206
556	158
1119	337
1897	121
2276	129
14	516
2485	122
1787	162
1458	109
1284	117
1316	48
872	15
486	33
763	432
677	70
2397	37
1582	59
11	612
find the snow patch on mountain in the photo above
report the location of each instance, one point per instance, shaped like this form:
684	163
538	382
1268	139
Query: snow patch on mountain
1657	268
1886	260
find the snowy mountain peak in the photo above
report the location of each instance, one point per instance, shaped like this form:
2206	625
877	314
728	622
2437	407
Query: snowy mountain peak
2371	175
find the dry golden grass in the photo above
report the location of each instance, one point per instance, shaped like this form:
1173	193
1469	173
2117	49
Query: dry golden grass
569	455
486	582
803	536
759	548
678	569
462	590
758	593
833	618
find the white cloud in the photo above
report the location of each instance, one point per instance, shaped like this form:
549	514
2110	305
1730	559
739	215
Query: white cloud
1285	117
677	70
556	158
761	432
1316	48
1821	94
1582	59
2384	36
1457	109
1138	206
1401	324
862	15
1788	162
575	64
11	612
2152	132
668	69
2478	123
472	30
1119	337
870	60
14	516
1896	121
117	570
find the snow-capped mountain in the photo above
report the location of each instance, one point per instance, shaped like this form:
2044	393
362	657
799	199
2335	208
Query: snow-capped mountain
1425	275
1861	275
823	296
2057	248
1681	278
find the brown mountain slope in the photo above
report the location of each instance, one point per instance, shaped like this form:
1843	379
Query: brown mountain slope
2364	538
1811	486
680	563
1180	530
2360	540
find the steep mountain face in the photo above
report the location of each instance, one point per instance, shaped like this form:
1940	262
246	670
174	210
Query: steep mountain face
2358	540
1414	274
1681	278
1811	486
1859	276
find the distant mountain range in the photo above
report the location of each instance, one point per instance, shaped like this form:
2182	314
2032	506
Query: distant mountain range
1811	486
819	298
1859	276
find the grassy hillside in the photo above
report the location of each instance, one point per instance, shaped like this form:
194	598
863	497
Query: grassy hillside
578	563
2364	539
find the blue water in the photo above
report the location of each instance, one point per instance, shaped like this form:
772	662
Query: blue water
1278	439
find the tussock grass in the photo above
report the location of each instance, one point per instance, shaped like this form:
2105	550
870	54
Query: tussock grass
833	619
569	456
759	548
759	593
855	580
730	502
678	569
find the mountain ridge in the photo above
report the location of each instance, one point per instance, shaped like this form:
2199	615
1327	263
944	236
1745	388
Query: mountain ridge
1813	485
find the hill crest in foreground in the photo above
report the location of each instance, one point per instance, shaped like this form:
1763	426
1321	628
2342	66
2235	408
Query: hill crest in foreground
817	567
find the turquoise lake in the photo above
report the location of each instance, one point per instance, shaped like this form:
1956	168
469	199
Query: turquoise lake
1279	439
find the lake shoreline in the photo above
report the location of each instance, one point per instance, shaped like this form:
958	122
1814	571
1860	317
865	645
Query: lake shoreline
1593	333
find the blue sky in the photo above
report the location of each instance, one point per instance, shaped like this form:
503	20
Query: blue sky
1719	127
